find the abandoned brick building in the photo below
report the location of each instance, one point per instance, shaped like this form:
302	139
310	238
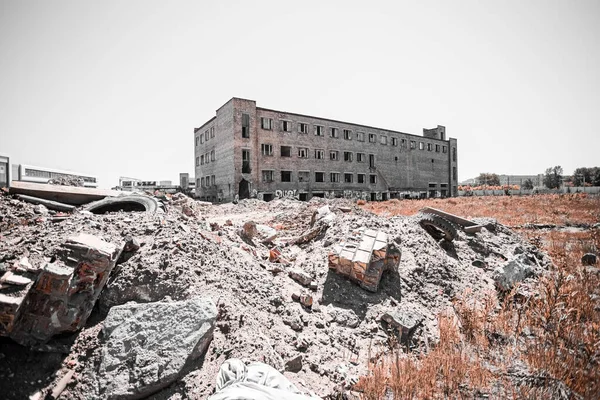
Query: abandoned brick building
247	151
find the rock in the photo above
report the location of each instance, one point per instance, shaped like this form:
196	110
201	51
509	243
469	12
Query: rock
149	345
589	259
249	230
294	364
403	320
305	299
300	276
511	273
187	210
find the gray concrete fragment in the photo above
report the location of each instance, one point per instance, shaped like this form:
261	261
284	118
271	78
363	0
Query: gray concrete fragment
511	273
148	346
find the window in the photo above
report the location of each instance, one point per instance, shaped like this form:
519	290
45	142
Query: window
383	139
206	136
360	178
202	159
334	132
334	177
302	152
267	176
373	178
348	156
286	151
207	181
197	182
266	123
371	160
413	144
360	136
212	132
201	138
372	138
453	173
266	149
348	178
286	176
319	176
212	180
347	134
206	158
421	146
394	141
286	126
202	182
245	125
429	146
319	130
403	143
360	157
246	162
319	154
454	154
197	161
437	148
444	149
302	127
212	155
334	155
303	176
196	141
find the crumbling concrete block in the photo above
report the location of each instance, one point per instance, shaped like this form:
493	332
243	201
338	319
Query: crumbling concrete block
364	260
149	345
65	291
403	321
300	276
511	273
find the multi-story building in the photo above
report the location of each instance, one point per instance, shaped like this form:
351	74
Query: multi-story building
248	151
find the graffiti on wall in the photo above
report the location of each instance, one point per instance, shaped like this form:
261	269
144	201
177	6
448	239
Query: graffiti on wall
286	194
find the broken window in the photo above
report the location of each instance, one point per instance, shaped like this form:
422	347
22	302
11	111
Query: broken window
206	136
437	148
197	161
202	159
245	125
212	180
334	132
444	149
319	130
212	155
196	141
348	156
371	160
302	127
403	143
372	138
212	132
334	155
246	162
286	126
429	147
454	154
266	123
207	180
453	173
360	157
302	152
347	134
394	141
286	176
267	176
266	149
373	178
421	146
413	144
348	178
334	177
360	178
201	138
202	182
303	176
319	154
383	139
206	158
286	151
360	136
319	176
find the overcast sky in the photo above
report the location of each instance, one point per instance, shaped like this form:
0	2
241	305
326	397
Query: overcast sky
115	88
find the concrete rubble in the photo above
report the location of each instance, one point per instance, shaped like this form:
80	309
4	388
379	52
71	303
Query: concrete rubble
311	289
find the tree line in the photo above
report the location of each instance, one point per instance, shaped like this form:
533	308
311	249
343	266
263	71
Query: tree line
553	178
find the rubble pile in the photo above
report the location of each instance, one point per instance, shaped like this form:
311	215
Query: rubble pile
285	292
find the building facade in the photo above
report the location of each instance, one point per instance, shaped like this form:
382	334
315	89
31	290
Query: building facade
248	151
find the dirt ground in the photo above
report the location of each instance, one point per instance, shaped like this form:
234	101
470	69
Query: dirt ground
185	254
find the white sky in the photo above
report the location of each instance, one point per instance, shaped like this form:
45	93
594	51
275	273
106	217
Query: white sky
115	88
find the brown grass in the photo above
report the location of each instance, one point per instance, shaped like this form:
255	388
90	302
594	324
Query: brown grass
546	345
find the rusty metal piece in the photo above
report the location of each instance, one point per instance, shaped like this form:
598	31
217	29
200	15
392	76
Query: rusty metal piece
364	260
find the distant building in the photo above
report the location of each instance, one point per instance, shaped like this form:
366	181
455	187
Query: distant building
248	151
29	173
510	180
135	184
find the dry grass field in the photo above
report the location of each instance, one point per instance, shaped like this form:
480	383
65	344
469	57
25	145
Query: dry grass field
541	344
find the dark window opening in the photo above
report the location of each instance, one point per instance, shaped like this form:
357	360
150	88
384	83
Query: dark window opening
286	176
246	162
319	176
286	151
348	178
245	125
373	178
371	160
360	178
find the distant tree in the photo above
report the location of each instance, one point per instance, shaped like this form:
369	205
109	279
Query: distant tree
586	176
527	185
553	177
489	179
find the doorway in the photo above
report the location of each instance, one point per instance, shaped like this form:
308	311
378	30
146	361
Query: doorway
244	189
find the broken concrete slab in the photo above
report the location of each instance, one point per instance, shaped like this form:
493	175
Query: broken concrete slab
364	260
451	217
64	194
149	345
52	205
